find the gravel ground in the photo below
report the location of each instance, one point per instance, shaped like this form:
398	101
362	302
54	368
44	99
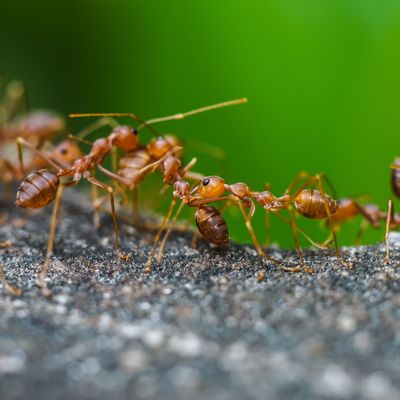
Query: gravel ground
201	326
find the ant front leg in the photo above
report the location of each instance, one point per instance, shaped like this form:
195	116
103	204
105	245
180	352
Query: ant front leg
110	191
50	241
248	217
158	235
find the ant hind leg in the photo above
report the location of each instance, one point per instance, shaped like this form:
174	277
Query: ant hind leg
386	260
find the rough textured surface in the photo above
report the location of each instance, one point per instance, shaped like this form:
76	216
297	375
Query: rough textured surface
200	326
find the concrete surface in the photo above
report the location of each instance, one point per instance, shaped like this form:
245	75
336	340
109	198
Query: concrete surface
201	326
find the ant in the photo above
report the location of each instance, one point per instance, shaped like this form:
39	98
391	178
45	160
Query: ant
372	215
66	152
34	126
43	187
309	203
135	165
162	152
210	221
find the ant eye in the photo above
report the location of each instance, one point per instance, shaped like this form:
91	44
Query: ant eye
64	151
134	131
206	181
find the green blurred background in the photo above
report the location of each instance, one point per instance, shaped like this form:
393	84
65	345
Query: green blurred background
322	78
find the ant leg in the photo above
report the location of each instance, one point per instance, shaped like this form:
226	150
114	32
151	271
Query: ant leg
149	168
22	142
310	180
96	205
386	260
100	123
159	232
195	240
260	251
302	233
167	233
267	222
299	177
248	217
10	289
184	173
303	264
110	191
5	179
363	226
135	206
330	223
50	241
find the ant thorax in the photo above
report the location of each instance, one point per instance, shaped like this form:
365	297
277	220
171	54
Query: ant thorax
265	199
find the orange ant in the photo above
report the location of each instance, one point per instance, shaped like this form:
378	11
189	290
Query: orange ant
309	203
66	152
162	152
34	126
372	215
43	187
135	165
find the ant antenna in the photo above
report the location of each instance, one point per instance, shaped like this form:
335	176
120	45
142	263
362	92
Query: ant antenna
193	112
134	116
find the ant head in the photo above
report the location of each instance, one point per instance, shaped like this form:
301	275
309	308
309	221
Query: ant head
181	189
211	186
125	138
160	145
67	152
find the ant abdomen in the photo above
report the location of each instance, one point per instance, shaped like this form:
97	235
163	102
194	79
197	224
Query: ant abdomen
311	204
212	225
38	189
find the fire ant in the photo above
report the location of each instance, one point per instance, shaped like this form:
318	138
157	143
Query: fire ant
309	203
135	165
43	187
34	126
162	152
